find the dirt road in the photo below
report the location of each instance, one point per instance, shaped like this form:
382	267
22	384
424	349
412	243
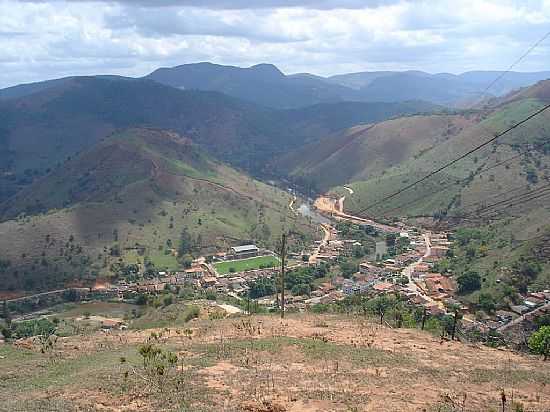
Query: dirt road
327	230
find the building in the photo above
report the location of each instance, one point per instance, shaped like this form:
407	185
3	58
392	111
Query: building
439	251
245	251
194	272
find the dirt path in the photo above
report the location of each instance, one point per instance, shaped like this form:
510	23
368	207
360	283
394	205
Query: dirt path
327	234
291	204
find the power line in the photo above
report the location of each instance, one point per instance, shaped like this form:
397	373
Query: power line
519	199
497	79
449	164
440	189
519	60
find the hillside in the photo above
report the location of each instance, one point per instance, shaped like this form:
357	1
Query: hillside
40	130
500	194
355	154
262	364
127	200
478	178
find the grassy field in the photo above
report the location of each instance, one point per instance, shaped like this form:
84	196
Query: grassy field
246	264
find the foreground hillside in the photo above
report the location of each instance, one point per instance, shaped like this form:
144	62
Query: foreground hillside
260	363
127	201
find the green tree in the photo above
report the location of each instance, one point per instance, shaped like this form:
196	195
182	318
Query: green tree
186	243
262	287
380	305
469	281
167	300
141	299
349	268
6	314
487	302
539	342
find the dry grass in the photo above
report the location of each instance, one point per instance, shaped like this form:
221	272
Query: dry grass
304	363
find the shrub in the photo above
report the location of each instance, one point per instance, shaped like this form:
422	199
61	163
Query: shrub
539	342
191	312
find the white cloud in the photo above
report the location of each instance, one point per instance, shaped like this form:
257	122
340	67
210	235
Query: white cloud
47	39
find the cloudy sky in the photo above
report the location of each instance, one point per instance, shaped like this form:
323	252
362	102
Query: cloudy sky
43	39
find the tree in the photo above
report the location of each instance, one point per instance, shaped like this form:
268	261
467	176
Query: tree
262	287
141	299
380	305
486	302
6	314
539	342
186	243
167	300
349	268
469	282
301	289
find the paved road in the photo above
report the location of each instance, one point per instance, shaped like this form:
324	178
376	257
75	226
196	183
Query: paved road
544	308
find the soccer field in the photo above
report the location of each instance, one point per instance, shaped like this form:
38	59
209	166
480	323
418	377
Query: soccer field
246	264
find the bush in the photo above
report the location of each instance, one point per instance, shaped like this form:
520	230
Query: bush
141	299
191	312
539	342
167	300
469	282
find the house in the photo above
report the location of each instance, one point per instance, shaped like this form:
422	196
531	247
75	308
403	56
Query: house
437	283
533	302
208	281
348	287
245	251
194	272
504	316
367	268
383	287
439	251
519	309
109	324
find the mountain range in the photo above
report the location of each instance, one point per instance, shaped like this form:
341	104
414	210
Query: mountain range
99	170
266	85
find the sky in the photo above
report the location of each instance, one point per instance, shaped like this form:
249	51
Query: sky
45	39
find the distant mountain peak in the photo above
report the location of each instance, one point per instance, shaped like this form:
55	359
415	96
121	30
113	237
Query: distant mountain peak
267	68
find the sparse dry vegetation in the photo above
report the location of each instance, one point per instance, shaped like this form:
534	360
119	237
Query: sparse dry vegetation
262	363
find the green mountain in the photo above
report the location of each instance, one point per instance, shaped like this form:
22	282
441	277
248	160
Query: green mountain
127	200
266	85
40	130
263	84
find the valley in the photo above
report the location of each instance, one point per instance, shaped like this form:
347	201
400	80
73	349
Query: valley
212	237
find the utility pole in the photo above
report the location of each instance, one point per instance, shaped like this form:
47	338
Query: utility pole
283	263
6	314
424	318
454	324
